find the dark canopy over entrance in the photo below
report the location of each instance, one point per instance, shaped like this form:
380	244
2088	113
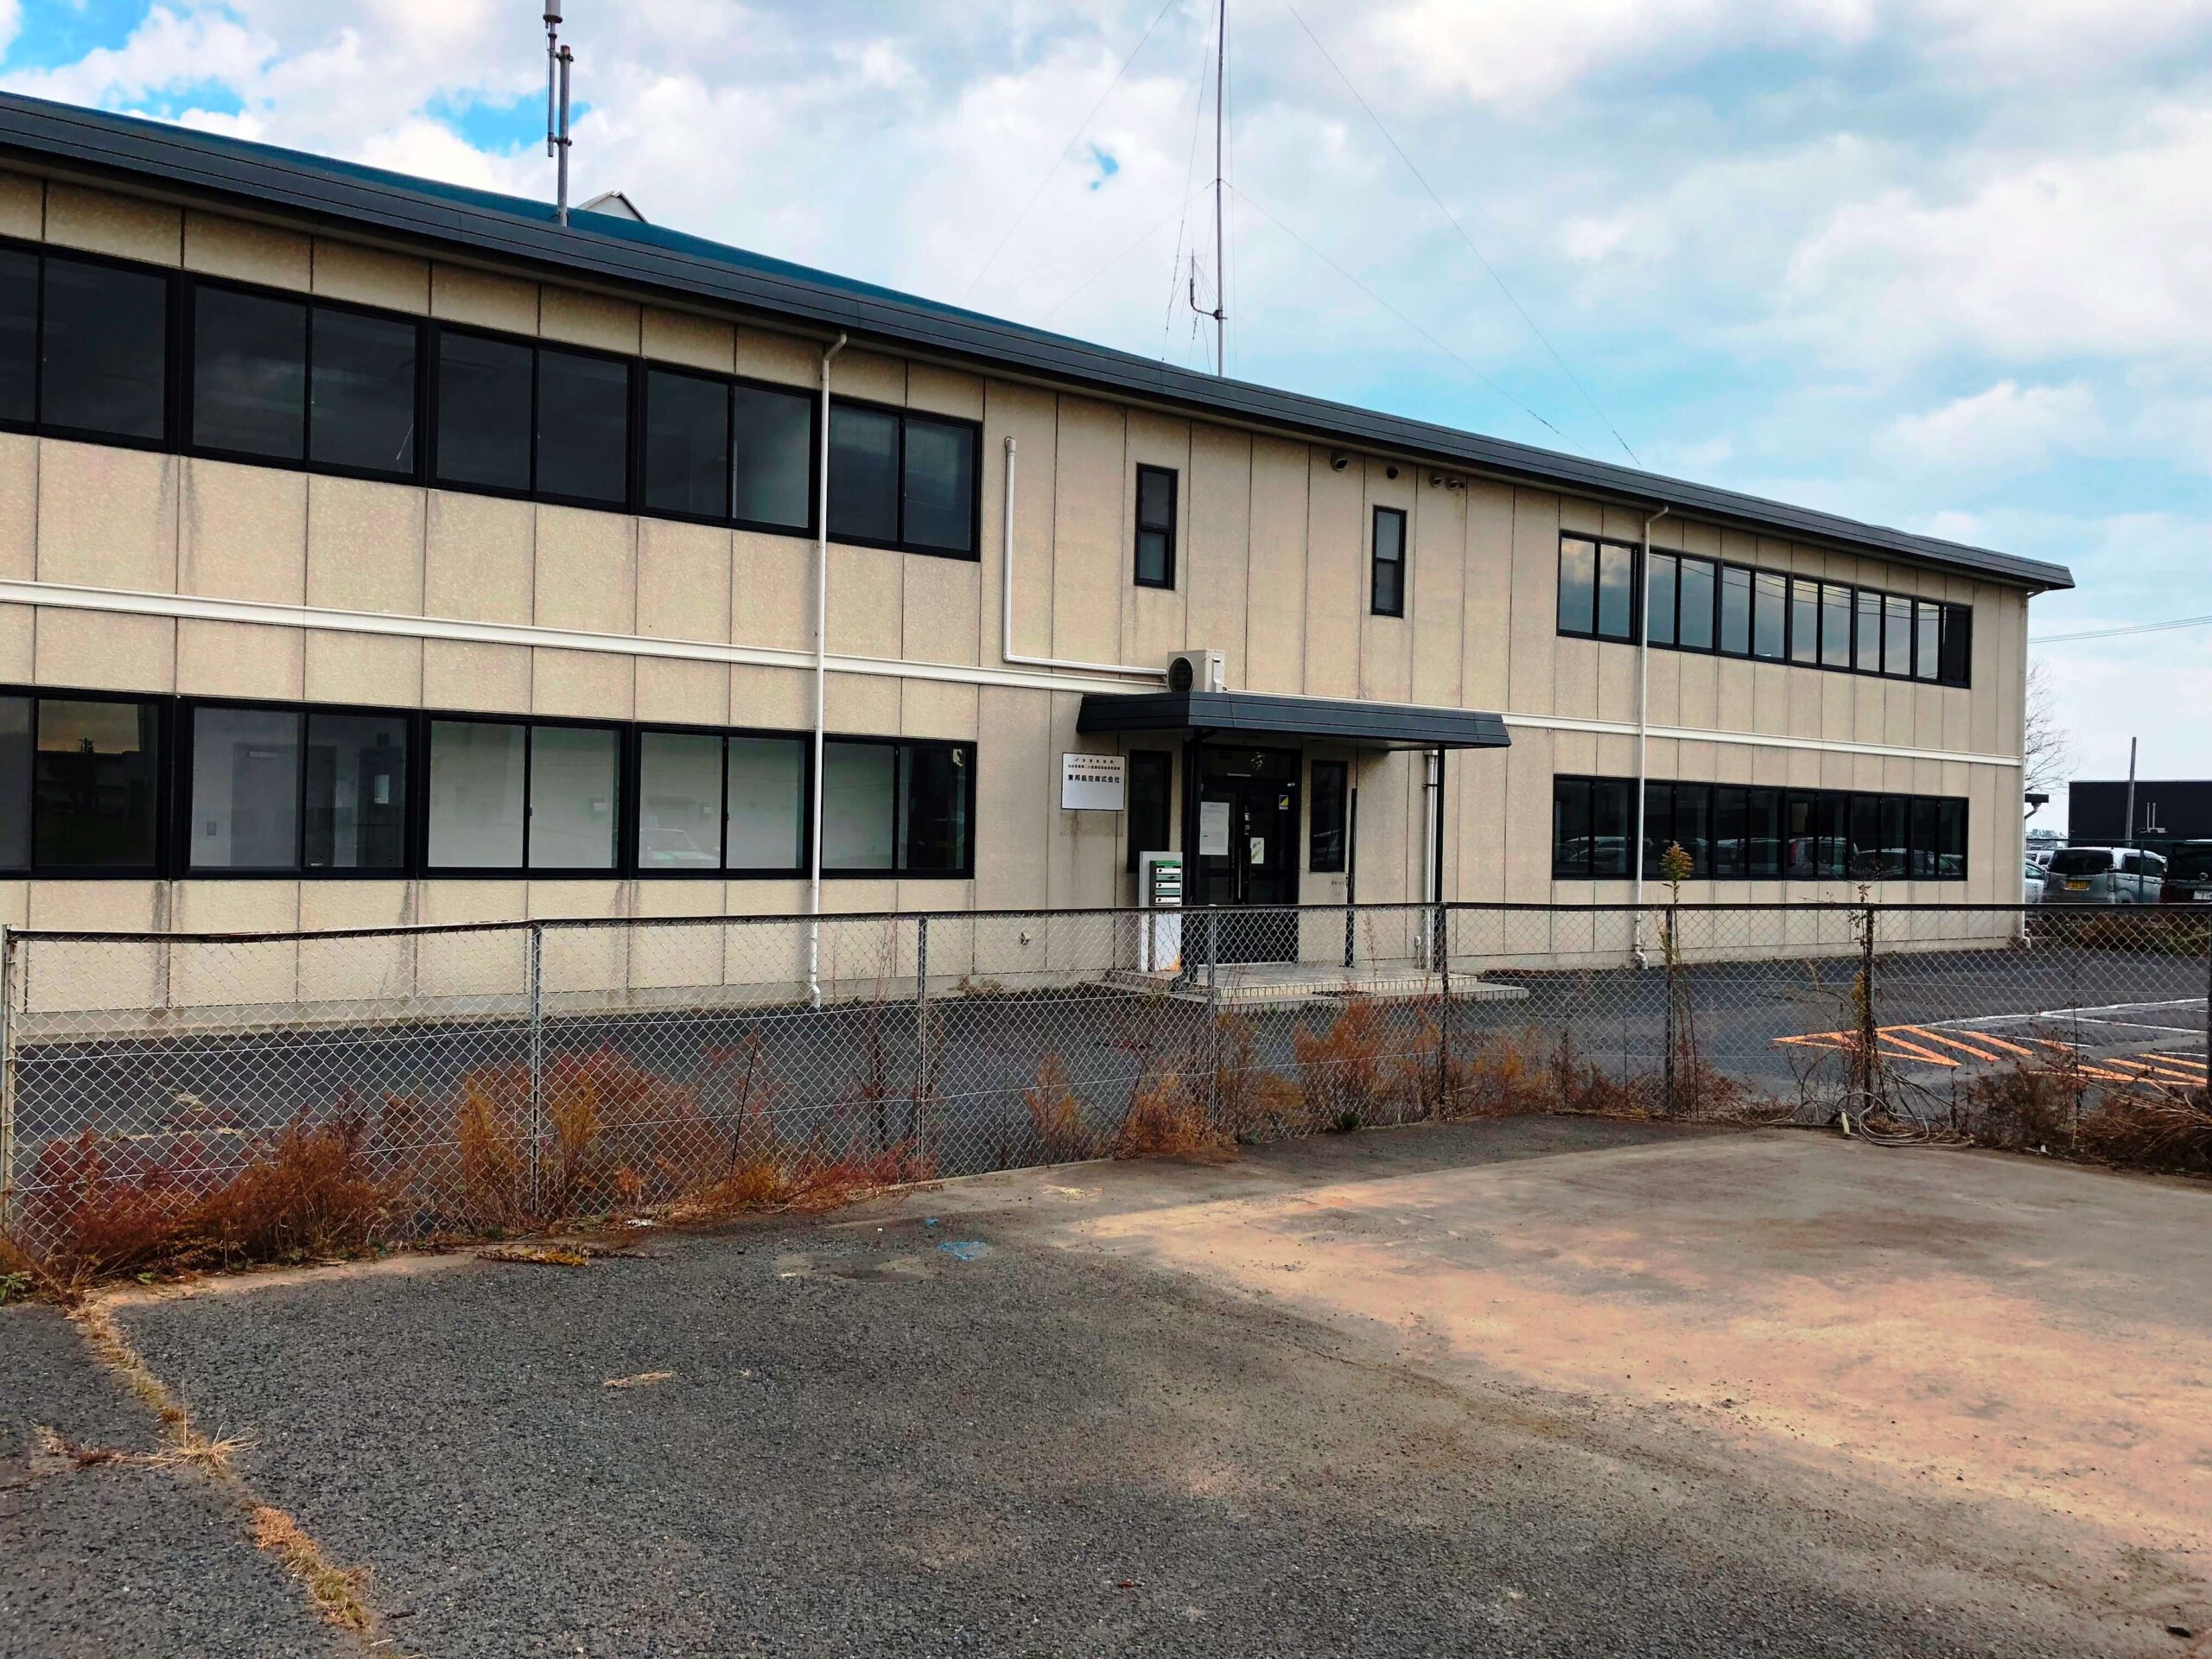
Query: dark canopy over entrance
1242	798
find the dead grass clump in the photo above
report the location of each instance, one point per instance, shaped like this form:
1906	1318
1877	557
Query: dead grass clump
338	1592
807	1181
1503	1077
1165	1122
2029	1105
1346	1072
1583	1086
2148	1125
1063	1126
311	1193
1252	1101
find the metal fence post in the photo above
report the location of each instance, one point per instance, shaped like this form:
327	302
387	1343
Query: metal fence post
1667	951
537	1055
1213	1010
921	1032
7	1077
1444	1015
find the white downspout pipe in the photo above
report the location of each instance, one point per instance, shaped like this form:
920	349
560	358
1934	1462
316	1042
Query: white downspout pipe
1642	733
821	682
1013	658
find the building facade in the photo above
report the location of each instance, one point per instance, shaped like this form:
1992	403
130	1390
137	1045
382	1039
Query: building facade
374	553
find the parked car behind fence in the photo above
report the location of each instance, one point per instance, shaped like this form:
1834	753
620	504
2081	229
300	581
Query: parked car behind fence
2104	875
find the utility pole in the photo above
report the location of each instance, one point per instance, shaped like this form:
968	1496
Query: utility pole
558	60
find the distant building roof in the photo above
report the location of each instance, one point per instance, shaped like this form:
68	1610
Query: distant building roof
607	248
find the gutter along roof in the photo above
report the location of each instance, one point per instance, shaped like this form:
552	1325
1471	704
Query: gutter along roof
260	179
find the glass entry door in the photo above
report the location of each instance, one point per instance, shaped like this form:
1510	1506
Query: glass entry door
1247	850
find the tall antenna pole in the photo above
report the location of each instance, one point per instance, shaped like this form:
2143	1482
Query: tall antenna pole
1220	268
558	60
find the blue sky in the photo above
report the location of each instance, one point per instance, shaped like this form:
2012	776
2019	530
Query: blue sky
1942	263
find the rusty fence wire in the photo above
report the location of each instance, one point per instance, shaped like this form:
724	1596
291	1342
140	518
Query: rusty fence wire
502	1076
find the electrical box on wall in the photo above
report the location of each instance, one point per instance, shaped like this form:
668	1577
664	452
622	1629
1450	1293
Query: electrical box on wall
1159	890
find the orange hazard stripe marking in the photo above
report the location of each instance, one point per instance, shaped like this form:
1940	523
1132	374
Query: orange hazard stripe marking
1960	1043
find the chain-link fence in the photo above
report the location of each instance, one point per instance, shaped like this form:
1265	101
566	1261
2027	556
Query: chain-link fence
488	1078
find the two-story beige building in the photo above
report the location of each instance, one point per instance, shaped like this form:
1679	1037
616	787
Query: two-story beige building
374	551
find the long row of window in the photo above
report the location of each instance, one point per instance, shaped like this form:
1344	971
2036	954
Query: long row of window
1732	610
98	785
125	353
1750	832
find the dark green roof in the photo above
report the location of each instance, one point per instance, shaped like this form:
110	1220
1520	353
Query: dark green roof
607	250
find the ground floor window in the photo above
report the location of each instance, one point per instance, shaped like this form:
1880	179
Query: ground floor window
1748	832
1327	818
895	807
79	784
1152	790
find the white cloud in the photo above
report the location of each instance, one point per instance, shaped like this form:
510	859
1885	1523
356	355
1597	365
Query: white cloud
2007	428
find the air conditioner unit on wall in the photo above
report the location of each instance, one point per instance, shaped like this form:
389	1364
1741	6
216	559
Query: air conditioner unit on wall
1198	671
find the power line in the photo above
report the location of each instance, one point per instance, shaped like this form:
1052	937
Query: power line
2114	633
1066	152
1246	197
1454	220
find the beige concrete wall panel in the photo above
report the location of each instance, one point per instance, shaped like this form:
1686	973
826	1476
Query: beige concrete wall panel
102	222
1016	794
942	620
684	580
1770	706
363	668
1807	701
868	375
586	570
365	545
100	651
787	359
493	965
1275	594
247	252
583	684
1156	621
1535	597
592	320
243	532
1336	577
1527	817
482	298
1699	678
18	643
1089	573
107	518
19	458
234	975
1487	619
1216	528
772	591
1439	587
1479	788
396	282
23	206
1663	681
1030	418
866	601
1735	693
682	694
862	705
476	678
353	970
944	392
772	699
240	659
698	342
479	558
1085	847
937	709
1576	752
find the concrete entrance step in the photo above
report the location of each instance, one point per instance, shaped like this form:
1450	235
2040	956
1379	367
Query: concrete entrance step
1277	984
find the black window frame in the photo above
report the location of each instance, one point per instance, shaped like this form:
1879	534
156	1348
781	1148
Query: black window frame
1140	528
168	441
1317	826
897	871
164	728
633	795
1598	546
900	543
185	766
1584	790
624	863
1376	562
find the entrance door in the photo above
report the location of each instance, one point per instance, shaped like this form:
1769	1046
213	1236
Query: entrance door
1248	850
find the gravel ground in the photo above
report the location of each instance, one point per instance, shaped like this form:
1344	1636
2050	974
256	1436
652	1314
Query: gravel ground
842	1437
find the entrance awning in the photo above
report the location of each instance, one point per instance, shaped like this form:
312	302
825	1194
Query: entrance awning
1260	714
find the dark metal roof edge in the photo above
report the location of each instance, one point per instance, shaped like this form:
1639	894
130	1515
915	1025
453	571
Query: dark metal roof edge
260	176
1414	725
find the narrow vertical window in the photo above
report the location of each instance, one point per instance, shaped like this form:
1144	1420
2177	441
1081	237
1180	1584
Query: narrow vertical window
1570	829
18	337
767	791
104	346
937	494
1155	548
1762	833
686	445
772	458
485	398
1925	847
1693	630
933	809
1897	636
1612	825
1152	789
361	396
1659	595
1658	827
355	792
1769	615
1928	641
1955	662
1330	791
1616	591
1867	621
245	790
679	801
478	770
249	374
1835	625
1387	582
1804	621
583	428
1951	839
1735	611
860	822
572	797
15	784
864	474
1578	585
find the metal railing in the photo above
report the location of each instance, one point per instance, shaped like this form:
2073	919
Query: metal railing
509	1075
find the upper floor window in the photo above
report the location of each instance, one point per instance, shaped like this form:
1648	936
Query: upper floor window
1155	549
1596	588
103	349
1388	581
901	479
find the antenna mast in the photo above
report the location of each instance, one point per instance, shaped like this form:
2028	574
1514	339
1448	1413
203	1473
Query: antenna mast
558	60
1219	314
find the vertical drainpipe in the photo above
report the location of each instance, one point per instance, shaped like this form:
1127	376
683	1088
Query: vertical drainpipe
1641	596
821	682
